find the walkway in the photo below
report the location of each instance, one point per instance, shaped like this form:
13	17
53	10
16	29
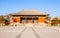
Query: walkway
29	32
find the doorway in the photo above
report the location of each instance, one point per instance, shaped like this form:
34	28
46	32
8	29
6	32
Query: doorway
29	20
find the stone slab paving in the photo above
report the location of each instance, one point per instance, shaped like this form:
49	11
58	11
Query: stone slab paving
54	27
10	32
47	33
28	32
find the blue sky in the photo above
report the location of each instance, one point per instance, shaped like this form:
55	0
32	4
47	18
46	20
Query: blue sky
51	7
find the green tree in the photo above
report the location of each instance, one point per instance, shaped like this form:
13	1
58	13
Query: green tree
55	21
2	18
48	17
8	16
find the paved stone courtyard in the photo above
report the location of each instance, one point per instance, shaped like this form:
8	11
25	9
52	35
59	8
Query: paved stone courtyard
29	32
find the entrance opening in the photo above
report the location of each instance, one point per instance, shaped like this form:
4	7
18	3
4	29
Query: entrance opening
22	20
29	20
35	20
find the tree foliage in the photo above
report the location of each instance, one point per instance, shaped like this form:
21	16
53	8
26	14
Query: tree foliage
55	21
48	17
2	18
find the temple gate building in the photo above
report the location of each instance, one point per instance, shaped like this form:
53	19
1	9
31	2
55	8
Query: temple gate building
29	16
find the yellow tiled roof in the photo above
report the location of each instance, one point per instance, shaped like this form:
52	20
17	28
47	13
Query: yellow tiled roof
29	12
